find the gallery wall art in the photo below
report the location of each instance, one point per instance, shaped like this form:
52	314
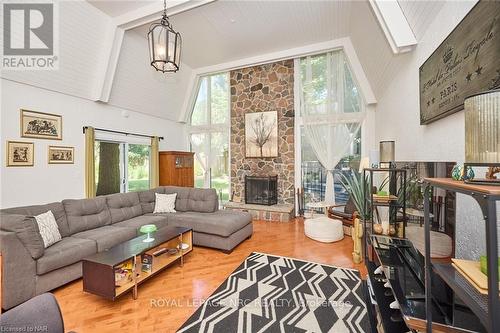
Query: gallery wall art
467	62
61	155
20	153
40	125
261	134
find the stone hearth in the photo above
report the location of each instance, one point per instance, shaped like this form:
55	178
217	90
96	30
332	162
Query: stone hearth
276	213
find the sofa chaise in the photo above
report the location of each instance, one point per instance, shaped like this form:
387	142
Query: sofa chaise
88	226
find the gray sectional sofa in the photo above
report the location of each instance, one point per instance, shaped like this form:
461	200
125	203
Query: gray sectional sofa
93	225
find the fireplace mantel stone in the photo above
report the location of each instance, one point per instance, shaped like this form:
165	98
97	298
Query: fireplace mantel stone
276	213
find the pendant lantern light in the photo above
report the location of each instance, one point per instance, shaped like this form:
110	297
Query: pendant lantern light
164	45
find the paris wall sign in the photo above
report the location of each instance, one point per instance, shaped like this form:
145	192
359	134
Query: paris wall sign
466	62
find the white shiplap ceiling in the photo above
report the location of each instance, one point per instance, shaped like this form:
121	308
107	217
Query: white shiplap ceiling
227	30
420	14
116	8
223	31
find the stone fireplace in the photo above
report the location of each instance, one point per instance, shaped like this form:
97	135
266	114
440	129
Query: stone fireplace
263	88
261	190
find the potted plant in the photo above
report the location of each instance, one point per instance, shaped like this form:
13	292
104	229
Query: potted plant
357	187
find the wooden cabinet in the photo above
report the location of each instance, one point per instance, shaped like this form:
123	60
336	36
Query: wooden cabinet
176	168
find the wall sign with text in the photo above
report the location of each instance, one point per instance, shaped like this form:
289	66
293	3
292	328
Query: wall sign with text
467	62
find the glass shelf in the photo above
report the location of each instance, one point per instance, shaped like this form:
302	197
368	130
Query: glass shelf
404	269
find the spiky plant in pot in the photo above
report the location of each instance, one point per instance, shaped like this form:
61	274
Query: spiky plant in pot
357	187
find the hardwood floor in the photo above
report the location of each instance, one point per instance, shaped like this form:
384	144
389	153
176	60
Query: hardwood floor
167	300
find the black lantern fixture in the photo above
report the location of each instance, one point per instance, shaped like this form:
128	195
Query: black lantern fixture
164	45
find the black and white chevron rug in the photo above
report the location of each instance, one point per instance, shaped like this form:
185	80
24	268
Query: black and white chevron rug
269	293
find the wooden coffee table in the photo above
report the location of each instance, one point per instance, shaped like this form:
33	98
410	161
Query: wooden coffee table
110	273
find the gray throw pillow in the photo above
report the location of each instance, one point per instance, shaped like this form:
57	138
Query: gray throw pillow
26	230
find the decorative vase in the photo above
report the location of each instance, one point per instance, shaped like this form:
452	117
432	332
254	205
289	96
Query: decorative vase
458	173
357	236
385	227
377	228
392	231
400	229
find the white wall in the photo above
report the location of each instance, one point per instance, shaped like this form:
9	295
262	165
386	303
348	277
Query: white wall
398	118
84	34
137	86
46	183
150	98
398	110
85	41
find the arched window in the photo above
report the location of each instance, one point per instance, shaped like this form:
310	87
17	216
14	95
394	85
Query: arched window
209	133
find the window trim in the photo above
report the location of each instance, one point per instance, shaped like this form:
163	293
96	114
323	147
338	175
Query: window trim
209	125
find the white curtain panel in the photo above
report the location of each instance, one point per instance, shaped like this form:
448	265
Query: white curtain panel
200	145
331	123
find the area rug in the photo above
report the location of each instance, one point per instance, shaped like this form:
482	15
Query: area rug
269	293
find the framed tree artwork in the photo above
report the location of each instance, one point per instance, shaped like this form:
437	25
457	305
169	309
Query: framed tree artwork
61	155
261	134
41	125
20	153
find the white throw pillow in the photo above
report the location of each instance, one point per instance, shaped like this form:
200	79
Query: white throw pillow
165	203
48	228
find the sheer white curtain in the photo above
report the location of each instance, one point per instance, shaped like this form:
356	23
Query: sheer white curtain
332	112
200	145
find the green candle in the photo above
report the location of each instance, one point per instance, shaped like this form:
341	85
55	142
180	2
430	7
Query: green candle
484	265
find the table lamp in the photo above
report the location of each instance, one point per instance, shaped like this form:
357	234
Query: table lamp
387	154
482	135
148	229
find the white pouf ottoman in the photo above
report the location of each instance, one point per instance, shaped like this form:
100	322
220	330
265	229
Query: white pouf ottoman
324	229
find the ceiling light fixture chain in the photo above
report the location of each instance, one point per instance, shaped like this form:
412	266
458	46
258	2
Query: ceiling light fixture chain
164	19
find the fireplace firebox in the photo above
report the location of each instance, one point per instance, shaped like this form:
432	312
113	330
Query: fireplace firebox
261	190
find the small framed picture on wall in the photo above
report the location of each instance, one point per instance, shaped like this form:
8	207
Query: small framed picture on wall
61	155
41	125
20	153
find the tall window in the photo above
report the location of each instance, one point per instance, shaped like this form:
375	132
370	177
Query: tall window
209	134
331	115
121	166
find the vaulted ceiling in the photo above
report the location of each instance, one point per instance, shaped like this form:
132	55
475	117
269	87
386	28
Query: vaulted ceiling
214	33
116	8
224	31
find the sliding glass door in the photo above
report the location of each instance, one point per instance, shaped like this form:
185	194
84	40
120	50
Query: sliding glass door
109	167
121	167
138	168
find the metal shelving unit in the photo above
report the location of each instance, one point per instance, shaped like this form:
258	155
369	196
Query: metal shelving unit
485	307
396	180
